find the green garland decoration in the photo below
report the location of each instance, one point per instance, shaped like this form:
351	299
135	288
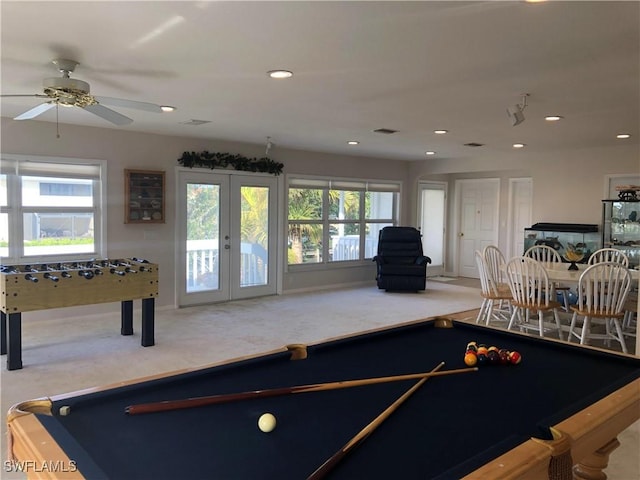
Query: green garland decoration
214	160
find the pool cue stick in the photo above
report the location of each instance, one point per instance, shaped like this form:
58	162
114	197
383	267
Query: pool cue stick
327	466
193	402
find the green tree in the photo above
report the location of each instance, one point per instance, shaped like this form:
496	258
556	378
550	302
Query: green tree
255	215
304	204
203	211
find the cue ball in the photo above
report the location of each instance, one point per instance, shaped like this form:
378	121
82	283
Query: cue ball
267	422
65	410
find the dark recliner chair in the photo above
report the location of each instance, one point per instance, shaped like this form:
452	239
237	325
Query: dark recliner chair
401	266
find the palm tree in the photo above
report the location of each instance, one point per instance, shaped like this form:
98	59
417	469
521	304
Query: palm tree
304	204
254	223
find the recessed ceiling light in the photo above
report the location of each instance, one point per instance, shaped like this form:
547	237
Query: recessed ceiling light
167	108
430	152
280	74
440	132
519	145
353	142
623	135
553	118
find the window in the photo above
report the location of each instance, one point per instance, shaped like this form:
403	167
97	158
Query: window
50	208
65	189
337	220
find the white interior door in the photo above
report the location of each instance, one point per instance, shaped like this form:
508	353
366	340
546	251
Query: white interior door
227	236
477	226
432	221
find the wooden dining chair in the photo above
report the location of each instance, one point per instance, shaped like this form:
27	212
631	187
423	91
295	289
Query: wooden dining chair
630	319
532	294
602	293
496	298
495	264
546	254
609	255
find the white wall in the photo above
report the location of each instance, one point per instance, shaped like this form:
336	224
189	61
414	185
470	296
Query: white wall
122	149
567	186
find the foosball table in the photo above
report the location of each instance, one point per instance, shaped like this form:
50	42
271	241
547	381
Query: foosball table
41	286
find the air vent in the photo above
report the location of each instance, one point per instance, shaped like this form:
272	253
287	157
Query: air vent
385	131
474	144
195	122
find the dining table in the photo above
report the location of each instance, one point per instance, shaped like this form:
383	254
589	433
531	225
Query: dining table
560	273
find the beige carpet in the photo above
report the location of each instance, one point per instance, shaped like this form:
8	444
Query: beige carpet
62	355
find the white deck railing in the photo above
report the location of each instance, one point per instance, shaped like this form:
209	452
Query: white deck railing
347	247
202	265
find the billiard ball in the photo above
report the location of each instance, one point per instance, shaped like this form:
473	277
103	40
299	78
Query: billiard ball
482	359
267	422
472	347
482	350
504	357
494	357
515	358
470	359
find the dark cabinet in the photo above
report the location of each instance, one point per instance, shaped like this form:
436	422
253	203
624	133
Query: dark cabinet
144	196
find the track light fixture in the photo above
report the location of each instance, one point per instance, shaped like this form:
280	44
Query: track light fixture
268	147
516	112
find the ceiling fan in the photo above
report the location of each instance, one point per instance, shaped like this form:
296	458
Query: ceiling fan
70	92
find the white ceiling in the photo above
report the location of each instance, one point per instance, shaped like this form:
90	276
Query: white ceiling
358	66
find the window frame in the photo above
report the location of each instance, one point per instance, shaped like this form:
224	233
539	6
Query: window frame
347	184
17	166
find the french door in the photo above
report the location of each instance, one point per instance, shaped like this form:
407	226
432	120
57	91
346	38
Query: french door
227	236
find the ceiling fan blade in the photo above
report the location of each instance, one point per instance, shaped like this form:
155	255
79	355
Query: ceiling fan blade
120	102
37	95
35	111
108	114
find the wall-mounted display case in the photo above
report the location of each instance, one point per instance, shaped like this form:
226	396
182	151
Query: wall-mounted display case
621	227
580	236
144	196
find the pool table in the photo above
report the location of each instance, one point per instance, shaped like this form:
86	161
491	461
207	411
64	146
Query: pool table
560	409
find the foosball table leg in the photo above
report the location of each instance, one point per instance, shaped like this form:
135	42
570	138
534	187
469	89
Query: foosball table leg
126	326
3	333
14	341
148	321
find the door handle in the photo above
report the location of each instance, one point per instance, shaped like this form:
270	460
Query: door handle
227	247
461	234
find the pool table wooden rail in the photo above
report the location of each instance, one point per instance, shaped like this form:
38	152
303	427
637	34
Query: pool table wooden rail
588	436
